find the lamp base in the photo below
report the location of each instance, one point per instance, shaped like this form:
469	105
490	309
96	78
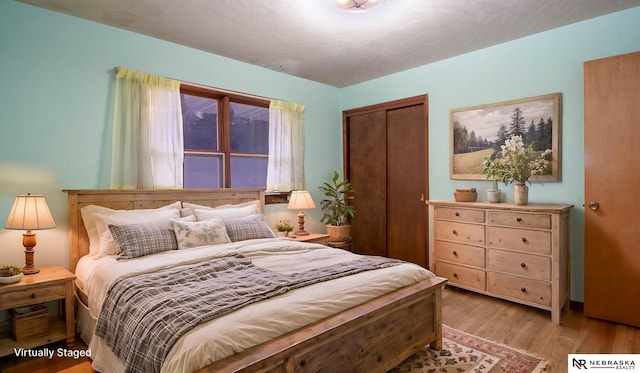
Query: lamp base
30	270
301	233
29	242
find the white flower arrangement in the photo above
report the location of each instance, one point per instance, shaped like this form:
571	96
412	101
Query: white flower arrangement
515	162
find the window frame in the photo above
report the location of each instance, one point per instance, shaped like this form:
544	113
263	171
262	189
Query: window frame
224	99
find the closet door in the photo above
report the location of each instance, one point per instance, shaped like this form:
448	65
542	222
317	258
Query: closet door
612	197
407	226
367	173
386	162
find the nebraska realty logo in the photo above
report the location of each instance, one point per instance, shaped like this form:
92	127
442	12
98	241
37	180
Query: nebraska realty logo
603	362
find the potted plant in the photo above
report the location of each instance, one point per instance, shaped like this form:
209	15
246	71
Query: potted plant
336	208
283	227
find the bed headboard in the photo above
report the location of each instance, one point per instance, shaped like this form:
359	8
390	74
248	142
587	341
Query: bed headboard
142	199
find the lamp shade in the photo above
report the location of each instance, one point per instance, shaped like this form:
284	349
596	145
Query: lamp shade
30	212
300	200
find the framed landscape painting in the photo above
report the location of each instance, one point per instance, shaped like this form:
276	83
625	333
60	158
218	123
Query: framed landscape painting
478	132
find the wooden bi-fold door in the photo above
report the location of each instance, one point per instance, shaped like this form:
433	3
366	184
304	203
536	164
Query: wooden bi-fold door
386	162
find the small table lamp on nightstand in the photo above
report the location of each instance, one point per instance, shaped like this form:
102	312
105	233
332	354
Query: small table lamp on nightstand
300	200
29	212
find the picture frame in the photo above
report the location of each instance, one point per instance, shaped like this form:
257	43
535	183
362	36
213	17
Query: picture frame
478	131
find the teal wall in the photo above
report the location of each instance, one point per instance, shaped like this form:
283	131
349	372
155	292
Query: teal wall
56	99
57	85
544	63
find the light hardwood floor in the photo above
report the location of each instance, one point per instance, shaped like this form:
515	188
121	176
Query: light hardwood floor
517	326
530	329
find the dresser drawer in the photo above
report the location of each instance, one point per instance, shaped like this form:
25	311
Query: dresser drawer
26	297
468	215
519	239
524	220
462	232
532	266
520	288
462	276
459	253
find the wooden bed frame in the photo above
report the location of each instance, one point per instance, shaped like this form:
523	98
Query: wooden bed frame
372	337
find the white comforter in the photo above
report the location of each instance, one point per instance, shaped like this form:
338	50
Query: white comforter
253	324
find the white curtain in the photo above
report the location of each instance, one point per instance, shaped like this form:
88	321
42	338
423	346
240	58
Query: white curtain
148	146
285	170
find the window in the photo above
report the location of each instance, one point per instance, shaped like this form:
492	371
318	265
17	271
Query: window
226	139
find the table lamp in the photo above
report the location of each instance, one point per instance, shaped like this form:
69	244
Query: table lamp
29	212
300	200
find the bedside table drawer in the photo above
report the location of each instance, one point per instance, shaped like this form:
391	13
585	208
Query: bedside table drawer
19	298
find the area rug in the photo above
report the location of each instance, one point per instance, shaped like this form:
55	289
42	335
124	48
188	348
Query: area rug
462	352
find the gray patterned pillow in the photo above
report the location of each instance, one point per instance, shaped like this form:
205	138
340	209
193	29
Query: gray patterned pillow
250	227
199	233
136	240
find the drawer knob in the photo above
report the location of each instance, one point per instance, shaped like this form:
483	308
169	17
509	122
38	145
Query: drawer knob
523	265
523	289
524	239
457	213
455	253
455	275
455	232
518	219
33	296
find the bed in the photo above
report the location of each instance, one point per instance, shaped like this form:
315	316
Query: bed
368	321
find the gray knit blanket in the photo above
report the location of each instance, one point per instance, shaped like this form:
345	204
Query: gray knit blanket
144	315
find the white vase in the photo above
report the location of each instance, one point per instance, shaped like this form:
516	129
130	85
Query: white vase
520	194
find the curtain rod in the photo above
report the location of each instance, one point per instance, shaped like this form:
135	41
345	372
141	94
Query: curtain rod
117	68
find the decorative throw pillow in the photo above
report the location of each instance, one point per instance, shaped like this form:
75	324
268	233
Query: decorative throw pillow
248	228
90	216
107	245
136	240
199	233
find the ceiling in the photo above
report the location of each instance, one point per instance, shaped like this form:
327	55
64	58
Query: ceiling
316	40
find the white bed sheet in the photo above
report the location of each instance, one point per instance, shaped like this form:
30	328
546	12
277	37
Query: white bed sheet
256	323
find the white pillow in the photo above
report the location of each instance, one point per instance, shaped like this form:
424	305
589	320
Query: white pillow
199	233
89	217
240	208
107	245
225	213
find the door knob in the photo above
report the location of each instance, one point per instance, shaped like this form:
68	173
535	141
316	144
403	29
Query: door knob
594	206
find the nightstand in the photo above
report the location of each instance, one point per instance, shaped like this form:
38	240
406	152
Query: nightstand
320	238
51	283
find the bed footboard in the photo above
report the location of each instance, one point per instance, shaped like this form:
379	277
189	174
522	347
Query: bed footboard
373	337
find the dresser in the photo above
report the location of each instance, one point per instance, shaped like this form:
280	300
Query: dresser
517	253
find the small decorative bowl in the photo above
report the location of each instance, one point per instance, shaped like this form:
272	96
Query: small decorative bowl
6	278
465	195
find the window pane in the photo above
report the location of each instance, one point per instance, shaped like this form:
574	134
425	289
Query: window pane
249	129
200	122
203	171
248	172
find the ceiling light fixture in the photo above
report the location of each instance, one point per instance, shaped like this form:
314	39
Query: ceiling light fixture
357	6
